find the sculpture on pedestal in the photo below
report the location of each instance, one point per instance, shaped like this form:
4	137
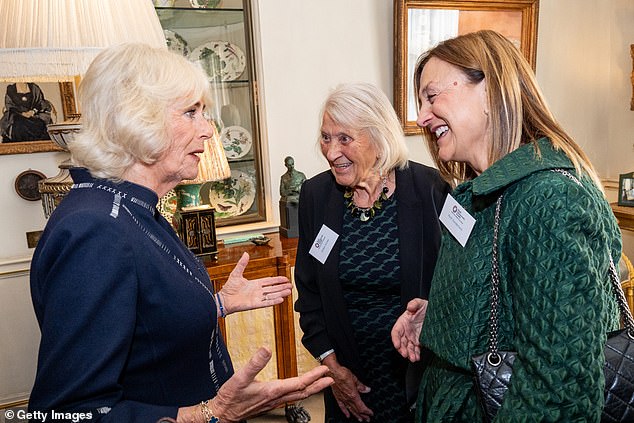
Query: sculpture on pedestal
290	185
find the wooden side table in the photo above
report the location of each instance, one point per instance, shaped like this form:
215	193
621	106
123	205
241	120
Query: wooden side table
624	215
274	259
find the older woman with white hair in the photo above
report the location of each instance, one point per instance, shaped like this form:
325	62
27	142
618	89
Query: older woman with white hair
368	239
128	315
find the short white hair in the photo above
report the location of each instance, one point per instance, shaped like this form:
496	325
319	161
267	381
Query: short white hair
124	98
364	107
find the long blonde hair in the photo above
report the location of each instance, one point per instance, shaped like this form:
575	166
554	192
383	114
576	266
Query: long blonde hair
521	113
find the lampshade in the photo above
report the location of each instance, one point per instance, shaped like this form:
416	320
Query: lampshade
213	165
55	40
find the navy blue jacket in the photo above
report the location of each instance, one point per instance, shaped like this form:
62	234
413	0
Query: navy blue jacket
127	316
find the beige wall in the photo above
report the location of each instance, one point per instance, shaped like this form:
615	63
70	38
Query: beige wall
309	46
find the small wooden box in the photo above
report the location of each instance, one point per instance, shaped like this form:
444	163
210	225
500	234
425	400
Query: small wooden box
196	227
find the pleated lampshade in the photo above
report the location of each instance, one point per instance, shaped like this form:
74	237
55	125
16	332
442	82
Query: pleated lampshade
55	40
213	165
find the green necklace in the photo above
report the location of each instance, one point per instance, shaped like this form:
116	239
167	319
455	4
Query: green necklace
365	213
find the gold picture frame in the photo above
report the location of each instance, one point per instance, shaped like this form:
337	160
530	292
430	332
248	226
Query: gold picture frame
626	190
632	76
516	19
64	107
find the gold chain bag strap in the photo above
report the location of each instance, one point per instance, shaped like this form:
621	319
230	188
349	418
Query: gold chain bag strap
494	368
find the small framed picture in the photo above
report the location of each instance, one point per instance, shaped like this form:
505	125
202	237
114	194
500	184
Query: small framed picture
626	189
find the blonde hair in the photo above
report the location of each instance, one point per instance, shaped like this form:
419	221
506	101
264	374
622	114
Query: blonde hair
519	115
363	107
124	98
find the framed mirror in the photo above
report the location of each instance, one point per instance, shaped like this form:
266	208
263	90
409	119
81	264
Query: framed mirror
27	108
632	76
421	24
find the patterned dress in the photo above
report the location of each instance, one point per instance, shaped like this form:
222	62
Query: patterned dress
369	272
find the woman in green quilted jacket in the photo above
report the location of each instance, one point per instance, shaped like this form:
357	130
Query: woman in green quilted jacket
490	133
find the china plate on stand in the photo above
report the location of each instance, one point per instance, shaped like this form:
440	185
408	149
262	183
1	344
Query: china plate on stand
236	141
210	4
221	60
232	197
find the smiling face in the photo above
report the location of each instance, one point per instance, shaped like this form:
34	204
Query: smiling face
456	113
350	153
187	130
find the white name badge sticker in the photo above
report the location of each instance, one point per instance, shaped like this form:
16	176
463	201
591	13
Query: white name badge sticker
323	243
457	220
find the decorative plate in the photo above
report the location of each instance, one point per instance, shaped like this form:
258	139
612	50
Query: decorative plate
222	60
204	3
167	205
232	197
176	43
236	141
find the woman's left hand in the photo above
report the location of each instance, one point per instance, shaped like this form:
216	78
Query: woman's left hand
406	330
239	294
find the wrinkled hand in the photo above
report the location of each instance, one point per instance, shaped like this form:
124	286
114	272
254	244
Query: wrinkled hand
239	294
241	396
347	390
28	113
406	330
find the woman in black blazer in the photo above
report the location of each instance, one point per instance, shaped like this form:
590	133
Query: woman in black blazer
368	240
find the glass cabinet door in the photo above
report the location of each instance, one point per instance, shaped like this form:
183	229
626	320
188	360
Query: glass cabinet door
217	34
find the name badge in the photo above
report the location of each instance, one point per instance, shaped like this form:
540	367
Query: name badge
323	243
457	220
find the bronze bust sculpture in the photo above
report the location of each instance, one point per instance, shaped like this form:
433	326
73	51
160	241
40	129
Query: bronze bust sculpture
291	182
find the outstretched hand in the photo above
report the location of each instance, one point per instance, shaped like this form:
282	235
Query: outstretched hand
241	396
239	294
406	330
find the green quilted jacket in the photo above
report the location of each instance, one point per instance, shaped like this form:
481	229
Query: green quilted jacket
556	300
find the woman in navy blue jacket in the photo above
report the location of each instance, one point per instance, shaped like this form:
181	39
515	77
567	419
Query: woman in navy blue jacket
128	315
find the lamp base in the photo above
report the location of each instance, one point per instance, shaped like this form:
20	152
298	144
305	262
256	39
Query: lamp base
188	195
54	189
196	227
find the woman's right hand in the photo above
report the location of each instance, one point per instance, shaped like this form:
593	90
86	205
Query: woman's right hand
406	330
242	396
347	389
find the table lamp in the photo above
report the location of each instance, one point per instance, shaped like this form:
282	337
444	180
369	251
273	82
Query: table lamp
56	40
195	222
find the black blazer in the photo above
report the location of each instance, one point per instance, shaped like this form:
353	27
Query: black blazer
420	194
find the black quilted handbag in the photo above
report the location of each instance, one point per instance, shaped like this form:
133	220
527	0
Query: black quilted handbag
494	368
619	362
